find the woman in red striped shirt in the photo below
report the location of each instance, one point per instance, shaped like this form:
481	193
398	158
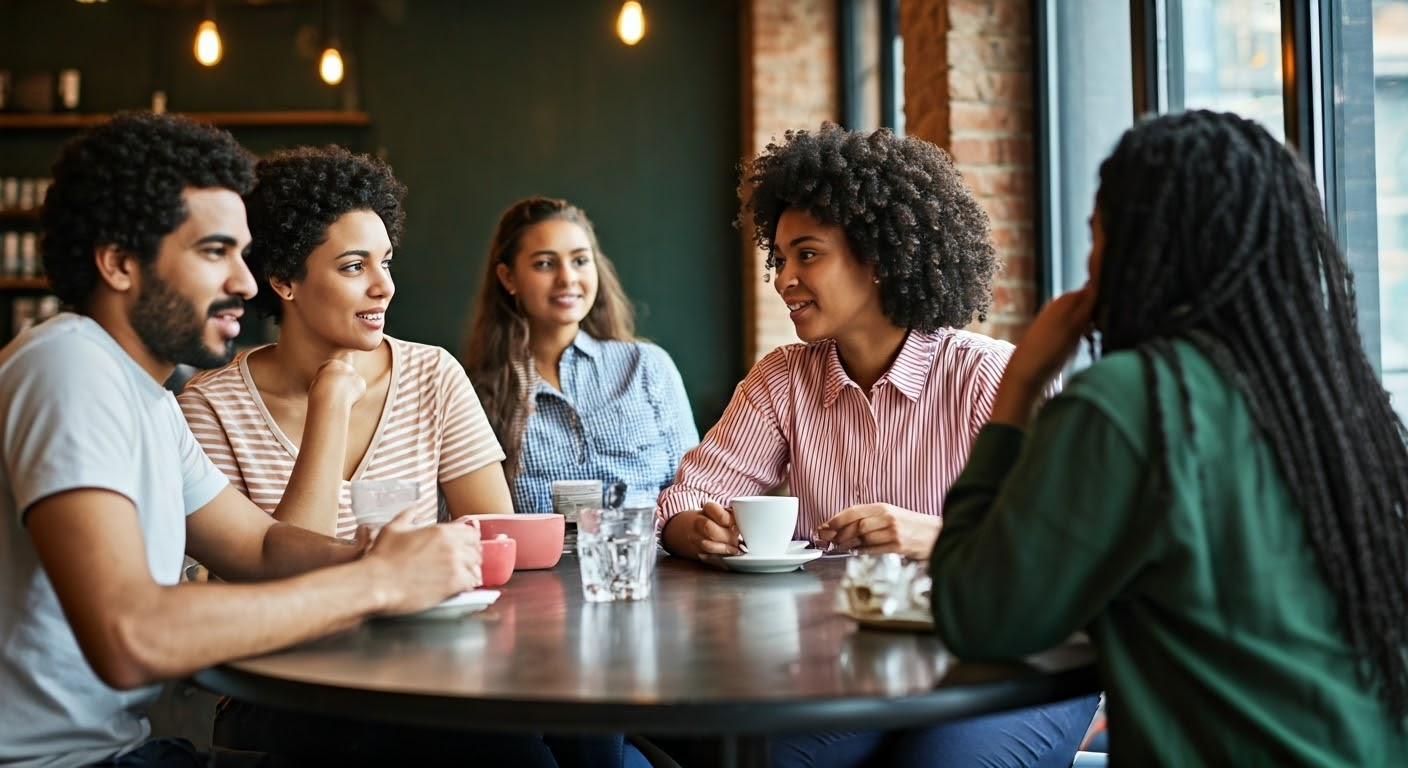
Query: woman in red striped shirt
881	253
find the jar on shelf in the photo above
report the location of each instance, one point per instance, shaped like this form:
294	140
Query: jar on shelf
69	80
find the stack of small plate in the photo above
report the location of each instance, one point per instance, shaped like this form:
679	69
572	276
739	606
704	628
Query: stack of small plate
570	497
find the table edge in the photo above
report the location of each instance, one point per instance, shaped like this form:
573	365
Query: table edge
750	716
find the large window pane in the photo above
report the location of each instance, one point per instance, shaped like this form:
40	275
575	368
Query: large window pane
1088	100
1391	152
1226	55
872	65
1090	103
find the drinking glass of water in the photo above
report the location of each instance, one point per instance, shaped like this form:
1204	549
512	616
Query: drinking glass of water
616	549
376	502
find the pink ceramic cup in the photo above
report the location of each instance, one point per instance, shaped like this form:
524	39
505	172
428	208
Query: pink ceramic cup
499	554
539	537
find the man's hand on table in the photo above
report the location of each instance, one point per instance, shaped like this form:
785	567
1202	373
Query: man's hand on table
417	567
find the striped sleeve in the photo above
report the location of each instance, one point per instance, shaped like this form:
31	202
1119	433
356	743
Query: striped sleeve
746	453
205	426
980	362
467	441
982	367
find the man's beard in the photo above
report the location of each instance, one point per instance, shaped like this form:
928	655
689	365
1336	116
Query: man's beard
171	327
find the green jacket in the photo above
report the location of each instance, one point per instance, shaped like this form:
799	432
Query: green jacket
1217	636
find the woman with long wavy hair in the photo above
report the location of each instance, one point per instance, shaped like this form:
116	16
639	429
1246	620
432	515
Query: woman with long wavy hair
567	386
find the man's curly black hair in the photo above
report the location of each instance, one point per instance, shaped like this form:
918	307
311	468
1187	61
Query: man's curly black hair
903	207
120	184
299	194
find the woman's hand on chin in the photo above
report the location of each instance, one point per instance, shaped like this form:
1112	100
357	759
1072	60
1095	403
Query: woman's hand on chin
337	381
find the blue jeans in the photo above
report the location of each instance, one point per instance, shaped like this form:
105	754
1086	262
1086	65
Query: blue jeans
322	740
1040	737
179	753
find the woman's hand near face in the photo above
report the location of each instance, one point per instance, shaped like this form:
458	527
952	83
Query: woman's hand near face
337	382
704	534
874	529
1046	347
310	498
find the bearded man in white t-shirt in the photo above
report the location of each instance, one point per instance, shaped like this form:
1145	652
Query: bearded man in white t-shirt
103	487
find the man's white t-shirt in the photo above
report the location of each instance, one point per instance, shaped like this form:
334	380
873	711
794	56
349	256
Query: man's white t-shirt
76	411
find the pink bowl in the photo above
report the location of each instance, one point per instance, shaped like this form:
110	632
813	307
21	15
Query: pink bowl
539	537
499	554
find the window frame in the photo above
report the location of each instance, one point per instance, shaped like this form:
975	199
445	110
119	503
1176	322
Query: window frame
1328	98
850	46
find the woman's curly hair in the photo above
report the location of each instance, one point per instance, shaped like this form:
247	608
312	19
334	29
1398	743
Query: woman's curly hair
299	194
120	184
903	207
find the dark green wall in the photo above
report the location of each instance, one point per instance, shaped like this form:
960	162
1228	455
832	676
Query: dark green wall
474	104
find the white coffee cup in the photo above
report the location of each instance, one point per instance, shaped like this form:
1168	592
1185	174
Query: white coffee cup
766	523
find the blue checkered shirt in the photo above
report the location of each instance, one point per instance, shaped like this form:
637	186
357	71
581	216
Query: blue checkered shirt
622	416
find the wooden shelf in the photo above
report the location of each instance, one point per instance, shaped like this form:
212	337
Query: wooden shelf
262	118
19	214
24	284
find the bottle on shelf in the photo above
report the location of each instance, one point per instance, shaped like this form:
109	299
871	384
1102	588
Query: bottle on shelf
69	81
9	254
29	255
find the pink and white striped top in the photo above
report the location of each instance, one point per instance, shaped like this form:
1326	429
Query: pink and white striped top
798	417
432	428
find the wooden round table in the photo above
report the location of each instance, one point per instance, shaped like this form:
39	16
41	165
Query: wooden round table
733	655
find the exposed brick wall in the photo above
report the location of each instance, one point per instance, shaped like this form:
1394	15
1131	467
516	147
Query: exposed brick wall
789	81
968	88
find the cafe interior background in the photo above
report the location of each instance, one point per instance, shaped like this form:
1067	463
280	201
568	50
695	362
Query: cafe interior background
476	103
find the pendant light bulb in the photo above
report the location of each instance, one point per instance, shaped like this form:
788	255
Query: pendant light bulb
630	25
330	65
208	47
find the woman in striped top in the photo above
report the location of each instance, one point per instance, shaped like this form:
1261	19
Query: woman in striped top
325	223
880	252
572	393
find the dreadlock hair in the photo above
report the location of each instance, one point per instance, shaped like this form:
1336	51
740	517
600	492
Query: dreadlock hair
496	354
1214	233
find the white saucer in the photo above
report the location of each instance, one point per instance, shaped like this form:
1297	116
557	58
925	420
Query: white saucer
904	621
790	561
462	604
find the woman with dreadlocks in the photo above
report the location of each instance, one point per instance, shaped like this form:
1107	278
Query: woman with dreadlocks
1220	499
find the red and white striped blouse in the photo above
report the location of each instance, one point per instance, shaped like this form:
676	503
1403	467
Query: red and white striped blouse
798	417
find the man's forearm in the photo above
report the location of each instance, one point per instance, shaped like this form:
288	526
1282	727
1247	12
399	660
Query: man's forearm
180	629
289	550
